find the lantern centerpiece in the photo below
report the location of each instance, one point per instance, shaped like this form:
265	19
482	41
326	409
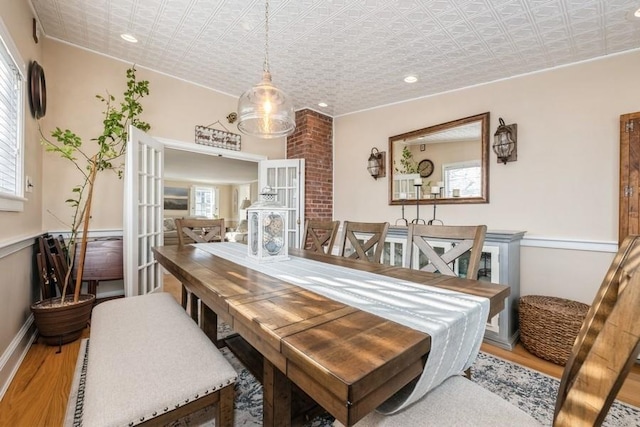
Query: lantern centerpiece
267	229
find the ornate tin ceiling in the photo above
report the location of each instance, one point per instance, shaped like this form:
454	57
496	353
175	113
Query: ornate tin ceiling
351	54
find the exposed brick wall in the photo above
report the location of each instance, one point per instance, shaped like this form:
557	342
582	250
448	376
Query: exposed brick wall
313	141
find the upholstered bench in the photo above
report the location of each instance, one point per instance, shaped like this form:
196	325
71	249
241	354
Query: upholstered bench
149	363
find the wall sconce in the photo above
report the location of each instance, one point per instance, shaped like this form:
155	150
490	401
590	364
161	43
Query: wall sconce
505	142
376	164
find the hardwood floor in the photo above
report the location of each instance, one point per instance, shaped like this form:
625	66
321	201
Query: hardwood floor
38	393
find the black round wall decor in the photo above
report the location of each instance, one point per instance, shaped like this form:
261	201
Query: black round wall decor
37	90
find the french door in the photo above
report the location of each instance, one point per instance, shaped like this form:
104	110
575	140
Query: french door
142	218
286	178
143	205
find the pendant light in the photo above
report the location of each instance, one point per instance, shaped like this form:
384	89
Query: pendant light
264	110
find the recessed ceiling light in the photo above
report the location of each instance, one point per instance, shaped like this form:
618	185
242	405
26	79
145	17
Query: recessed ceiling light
410	79
637	13
323	104
129	38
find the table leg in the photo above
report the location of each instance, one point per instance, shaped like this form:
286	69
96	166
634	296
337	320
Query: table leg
184	296
209	324
276	401
193	309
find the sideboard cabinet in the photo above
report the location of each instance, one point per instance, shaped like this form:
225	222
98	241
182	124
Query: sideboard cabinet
500	263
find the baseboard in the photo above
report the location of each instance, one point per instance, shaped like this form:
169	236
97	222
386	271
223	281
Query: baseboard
110	294
494	339
14	354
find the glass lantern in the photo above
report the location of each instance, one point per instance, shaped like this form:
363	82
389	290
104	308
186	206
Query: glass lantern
267	229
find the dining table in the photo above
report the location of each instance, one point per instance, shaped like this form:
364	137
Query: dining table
345	359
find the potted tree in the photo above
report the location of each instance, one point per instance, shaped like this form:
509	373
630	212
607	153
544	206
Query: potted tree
61	319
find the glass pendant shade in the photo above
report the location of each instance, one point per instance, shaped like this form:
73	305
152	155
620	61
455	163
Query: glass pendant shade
266	111
503	144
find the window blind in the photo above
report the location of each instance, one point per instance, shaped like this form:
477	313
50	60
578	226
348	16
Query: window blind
10	93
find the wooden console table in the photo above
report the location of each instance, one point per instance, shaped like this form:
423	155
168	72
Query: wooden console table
103	262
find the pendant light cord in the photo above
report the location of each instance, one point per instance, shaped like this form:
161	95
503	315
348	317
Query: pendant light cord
266	39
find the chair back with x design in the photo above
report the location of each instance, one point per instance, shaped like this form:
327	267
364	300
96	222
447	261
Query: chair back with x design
319	236
365	238
464	238
199	230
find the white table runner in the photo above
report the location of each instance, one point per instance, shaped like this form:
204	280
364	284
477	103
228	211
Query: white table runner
455	321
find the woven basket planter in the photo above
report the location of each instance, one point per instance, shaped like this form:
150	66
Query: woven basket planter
62	323
549	326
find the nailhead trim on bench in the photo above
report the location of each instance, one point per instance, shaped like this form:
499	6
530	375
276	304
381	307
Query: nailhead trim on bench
118	319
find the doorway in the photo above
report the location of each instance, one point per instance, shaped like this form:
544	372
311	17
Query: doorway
143	205
207	181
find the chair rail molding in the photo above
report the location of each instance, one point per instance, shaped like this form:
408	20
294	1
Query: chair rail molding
93	234
571	244
16	245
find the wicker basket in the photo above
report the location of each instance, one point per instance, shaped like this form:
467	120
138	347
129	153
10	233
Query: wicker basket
549	326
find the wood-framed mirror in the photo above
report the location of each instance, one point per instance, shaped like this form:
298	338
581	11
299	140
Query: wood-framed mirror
446	163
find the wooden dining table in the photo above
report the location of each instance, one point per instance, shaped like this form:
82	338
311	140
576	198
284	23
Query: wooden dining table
346	360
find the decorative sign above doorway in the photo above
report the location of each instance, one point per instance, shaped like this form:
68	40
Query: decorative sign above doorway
207	135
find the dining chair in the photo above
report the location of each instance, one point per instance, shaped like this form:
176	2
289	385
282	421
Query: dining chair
604	352
466	238
366	240
197	230
319	236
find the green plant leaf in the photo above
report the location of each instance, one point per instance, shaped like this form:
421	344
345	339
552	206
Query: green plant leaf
110	144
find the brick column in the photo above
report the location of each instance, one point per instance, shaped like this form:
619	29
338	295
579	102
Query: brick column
313	141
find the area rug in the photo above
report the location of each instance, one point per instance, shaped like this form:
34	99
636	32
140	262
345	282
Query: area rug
535	393
532	391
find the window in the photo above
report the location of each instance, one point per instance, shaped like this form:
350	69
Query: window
204	201
462	179
11	124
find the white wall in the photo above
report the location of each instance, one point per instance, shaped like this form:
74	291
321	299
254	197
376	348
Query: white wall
564	185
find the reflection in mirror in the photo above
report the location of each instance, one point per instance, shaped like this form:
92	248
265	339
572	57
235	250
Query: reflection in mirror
446	163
